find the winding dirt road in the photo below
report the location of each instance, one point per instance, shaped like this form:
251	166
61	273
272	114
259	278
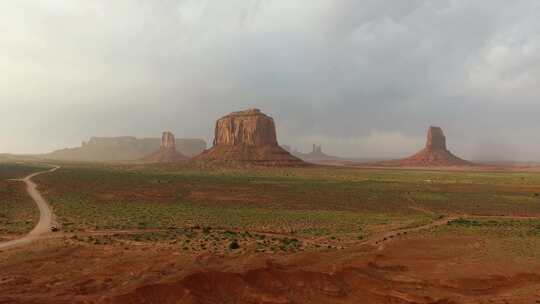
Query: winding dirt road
46	215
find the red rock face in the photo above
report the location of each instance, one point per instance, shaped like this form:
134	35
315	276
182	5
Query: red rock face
167	152
436	139
247	137
250	128
168	141
435	154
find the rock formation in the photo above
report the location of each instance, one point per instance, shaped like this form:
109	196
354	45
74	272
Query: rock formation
287	148
124	148
316	155
247	137
435	154
435	139
168	141
167	152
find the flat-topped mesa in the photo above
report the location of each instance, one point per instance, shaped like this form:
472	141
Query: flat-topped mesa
436	139
247	137
125	148
167	152
250	128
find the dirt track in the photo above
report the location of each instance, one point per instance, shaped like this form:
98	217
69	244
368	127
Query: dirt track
46	215
377	240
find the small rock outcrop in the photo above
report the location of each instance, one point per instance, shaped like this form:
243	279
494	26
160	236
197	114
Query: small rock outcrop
167	152
435	154
247	137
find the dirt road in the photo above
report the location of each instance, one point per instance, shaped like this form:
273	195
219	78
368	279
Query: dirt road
45	214
379	239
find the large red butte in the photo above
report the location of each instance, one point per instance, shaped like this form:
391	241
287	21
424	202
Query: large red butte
247	137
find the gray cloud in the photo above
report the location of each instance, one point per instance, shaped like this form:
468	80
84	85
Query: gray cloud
363	78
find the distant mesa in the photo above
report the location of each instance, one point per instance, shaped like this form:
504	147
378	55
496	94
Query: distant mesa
247	137
167	152
316	155
125	148
435	154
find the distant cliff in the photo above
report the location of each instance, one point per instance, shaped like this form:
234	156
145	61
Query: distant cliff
316	155
123	149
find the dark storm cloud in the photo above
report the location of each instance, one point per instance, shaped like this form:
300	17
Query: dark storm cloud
363	78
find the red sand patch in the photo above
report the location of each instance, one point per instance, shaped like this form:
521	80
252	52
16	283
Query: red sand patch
414	270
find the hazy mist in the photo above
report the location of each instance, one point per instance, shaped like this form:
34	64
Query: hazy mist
364	78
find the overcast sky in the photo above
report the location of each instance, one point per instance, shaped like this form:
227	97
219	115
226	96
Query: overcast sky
364	78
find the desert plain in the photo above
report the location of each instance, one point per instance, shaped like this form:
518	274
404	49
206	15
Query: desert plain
194	233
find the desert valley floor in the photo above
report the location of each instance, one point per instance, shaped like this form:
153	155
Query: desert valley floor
316	234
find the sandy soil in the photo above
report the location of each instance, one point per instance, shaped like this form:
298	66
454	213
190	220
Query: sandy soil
409	269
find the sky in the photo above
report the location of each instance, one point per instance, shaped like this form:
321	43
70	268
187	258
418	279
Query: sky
362	78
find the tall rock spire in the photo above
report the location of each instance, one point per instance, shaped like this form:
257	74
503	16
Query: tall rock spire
167	152
436	139
435	154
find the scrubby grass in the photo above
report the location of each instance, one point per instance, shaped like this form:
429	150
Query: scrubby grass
308	202
217	241
16	170
517	238
78	214
498	227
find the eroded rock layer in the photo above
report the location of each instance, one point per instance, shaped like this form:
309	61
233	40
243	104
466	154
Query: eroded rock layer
436	139
168	141
247	137
250	128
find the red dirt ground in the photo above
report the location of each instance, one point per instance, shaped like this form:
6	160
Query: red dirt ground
414	269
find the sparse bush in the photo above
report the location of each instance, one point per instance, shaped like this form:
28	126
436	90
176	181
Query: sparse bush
234	245
465	223
290	244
